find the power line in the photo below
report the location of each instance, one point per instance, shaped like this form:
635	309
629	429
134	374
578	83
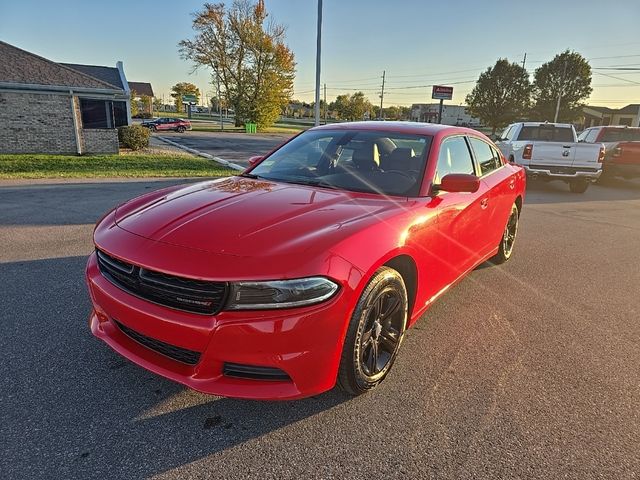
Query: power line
618	78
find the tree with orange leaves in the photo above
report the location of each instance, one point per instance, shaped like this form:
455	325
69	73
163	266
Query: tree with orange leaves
248	54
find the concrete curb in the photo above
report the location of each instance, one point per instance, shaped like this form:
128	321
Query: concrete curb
219	160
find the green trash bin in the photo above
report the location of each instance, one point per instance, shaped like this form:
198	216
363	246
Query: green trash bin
250	127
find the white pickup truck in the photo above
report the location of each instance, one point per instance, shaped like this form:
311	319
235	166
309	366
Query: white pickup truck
550	151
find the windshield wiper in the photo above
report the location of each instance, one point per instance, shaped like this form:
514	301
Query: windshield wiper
250	175
311	183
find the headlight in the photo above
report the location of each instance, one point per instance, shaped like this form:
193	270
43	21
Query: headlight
280	293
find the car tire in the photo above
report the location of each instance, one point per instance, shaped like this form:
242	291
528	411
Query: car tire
508	237
153	128
180	129
578	186
375	333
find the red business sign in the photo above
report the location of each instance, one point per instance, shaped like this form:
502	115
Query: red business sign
441	92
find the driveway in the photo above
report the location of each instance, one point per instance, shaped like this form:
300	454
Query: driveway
528	370
235	147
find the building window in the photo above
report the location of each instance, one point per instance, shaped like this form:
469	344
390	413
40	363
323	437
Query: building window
102	113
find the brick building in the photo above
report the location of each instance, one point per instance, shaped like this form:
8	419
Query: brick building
49	107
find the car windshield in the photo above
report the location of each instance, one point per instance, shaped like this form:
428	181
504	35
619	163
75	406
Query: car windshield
380	162
621	135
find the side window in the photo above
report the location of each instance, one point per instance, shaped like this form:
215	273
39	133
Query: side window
509	132
583	135
454	157
505	133
488	159
591	136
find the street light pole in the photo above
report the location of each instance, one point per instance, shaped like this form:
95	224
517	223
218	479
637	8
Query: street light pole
318	46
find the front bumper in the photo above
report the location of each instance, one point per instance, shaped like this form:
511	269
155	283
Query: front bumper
305	343
563	173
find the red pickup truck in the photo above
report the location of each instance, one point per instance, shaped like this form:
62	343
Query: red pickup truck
162	124
622	144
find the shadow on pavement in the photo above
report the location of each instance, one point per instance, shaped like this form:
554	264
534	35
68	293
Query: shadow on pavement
73	408
71	203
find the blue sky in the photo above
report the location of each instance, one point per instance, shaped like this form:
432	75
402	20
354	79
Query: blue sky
417	42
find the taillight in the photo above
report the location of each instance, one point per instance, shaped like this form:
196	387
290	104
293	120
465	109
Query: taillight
601	154
617	152
527	152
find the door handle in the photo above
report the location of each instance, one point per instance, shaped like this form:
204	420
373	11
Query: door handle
484	203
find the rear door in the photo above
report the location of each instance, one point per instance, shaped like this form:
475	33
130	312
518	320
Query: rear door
500	183
172	123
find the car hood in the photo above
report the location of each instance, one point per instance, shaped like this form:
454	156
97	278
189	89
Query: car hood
247	217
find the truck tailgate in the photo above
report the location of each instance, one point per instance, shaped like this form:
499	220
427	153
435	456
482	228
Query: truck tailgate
586	155
553	153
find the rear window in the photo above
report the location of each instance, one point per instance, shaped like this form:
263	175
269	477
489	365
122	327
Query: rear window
546	133
621	135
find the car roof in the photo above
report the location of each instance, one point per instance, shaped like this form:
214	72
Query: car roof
616	127
550	124
415	128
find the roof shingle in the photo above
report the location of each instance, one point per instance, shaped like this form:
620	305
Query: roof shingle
141	88
111	75
20	66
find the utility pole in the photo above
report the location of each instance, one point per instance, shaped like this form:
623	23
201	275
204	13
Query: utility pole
524	60
325	103
382	95
561	92
318	47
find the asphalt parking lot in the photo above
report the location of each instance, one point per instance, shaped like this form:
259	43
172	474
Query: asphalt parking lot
529	370
237	147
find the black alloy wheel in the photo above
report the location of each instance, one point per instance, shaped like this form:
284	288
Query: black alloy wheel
375	332
508	237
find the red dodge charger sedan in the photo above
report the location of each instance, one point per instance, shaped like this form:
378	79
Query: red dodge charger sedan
305	270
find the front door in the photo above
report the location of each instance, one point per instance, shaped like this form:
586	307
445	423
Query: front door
463	216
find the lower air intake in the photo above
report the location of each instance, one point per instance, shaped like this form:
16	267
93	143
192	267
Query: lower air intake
254	373
178	354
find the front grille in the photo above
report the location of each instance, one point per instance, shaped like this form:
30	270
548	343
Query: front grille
194	296
176	353
253	372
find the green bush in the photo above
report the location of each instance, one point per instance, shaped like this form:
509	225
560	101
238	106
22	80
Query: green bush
135	137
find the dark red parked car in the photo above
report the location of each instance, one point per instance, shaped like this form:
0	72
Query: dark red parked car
305	270
162	124
622	149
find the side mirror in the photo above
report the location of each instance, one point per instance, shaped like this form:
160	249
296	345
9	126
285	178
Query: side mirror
255	160
460	182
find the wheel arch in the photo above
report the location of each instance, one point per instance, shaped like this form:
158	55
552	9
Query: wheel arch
406	266
519	204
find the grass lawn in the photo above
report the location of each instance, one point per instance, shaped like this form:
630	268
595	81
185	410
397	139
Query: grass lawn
129	164
232	129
